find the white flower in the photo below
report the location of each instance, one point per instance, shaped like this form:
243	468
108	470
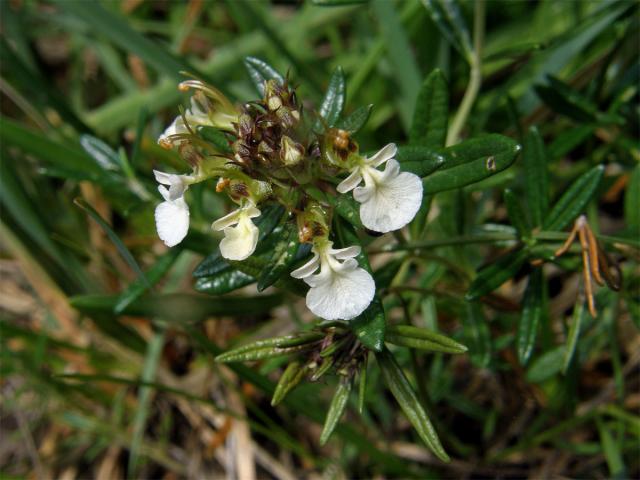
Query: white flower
342	290
390	198
172	215
195	116
240	241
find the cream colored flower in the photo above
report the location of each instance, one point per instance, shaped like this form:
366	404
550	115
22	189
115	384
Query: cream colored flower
240	241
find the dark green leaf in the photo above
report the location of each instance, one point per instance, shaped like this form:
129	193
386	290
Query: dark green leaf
612	451
337	3
279	342
261	353
516	214
477	335
419	160
152	276
254	266
333	102
216	137
632	202
574	200
431	115
336	409
356	119
420	338
106	158
448	18
536	183
362	383
471	161
283	256
347	207
260	71
408	401
226	280
532	311
492	276
292	376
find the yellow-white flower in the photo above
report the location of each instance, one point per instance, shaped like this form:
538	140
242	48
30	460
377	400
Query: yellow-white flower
390	198
341	290
172	215
240	241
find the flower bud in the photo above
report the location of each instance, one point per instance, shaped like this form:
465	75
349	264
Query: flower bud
290	152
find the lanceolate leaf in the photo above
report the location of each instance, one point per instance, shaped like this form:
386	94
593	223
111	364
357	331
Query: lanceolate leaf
536	181
495	274
336	409
420	160
431	116
284	254
225	281
574	200
574	333
477	332
103	154
413	337
532	311
333	102
516	214
356	119
408	401
292	376
260	71
447	16
471	161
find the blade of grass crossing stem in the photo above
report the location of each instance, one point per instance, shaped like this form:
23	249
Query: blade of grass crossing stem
574	333
574	199
152	358
141	284
336	409
124	251
532	312
431	114
400	55
536	184
408	401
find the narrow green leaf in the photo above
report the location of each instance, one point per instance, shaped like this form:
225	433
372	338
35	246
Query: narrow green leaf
612	451
476	330
353	122
362	384
347	207
292	376
516	214
225	281
283	256
471	161
152	276
574	200
546	366
279	342
492	276
333	102
336	409
122	249
216	137
261	353
431	115
536	180
414	337
532	311
448	18
103	154
254	266
420	160
336	3
260	71
408	401
574	333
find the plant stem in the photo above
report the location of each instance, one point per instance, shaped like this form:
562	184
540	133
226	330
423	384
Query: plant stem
475	78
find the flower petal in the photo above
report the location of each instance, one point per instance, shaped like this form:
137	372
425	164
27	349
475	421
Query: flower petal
308	268
385	153
229	219
351	182
240	241
391	204
172	221
342	253
342	296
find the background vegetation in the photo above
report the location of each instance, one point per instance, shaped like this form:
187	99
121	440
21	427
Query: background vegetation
105	376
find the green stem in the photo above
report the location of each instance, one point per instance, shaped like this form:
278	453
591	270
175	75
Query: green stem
475	80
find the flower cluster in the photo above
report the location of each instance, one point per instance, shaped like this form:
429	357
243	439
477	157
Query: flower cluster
271	152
